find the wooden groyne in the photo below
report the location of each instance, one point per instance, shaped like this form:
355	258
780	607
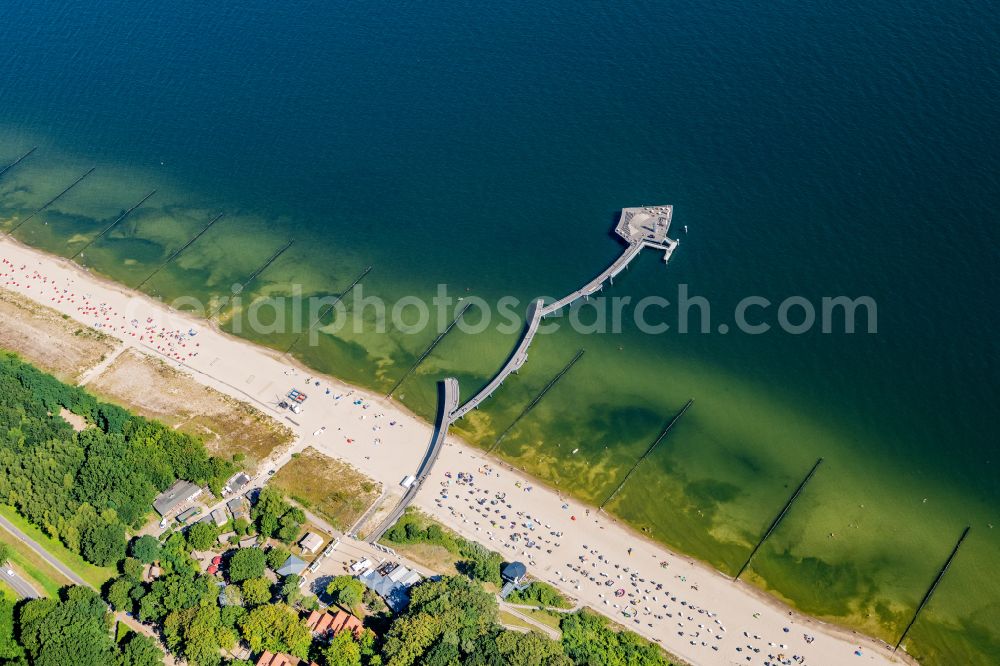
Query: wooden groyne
339	297
16	162
427	352
930	591
253	276
176	253
537	399
649	450
447	402
52	200
110	226
777	519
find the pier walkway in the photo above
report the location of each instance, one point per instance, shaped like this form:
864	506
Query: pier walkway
447	403
514	362
641	227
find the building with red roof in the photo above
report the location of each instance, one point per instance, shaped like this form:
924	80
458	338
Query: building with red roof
279	659
327	625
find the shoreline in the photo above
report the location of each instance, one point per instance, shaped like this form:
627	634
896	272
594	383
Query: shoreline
405	453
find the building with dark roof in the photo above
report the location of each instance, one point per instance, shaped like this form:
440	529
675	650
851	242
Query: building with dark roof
514	572
238	483
238	507
179	493
392	582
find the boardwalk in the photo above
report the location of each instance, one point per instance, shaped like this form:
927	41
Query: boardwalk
642	227
448	401
514	362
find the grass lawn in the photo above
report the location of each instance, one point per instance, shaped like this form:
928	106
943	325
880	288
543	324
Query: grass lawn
549	618
434	557
36	570
510	620
94	575
122	631
332	489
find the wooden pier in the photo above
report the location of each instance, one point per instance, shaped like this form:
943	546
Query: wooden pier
646	226
514	362
642	227
447	402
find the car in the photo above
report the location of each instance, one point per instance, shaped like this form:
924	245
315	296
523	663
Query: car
283	404
270	472
10	572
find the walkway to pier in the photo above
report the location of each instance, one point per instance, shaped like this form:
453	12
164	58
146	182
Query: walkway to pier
654	237
447	403
646	226
514	362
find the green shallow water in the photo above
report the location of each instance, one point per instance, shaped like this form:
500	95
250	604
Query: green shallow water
814	151
710	487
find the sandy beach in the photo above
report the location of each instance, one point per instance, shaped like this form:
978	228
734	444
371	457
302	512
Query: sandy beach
688	608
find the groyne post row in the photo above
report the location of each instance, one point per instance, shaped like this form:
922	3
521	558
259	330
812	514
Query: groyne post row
447	403
930	591
110	226
52	200
427	352
649	450
537	398
17	161
239	289
777	519
176	253
339	297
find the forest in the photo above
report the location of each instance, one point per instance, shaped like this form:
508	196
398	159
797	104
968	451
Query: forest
89	488
92	488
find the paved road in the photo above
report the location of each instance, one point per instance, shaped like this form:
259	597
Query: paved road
58	565
21	587
70	574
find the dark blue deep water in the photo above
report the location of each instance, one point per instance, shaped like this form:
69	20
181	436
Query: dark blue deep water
812	149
